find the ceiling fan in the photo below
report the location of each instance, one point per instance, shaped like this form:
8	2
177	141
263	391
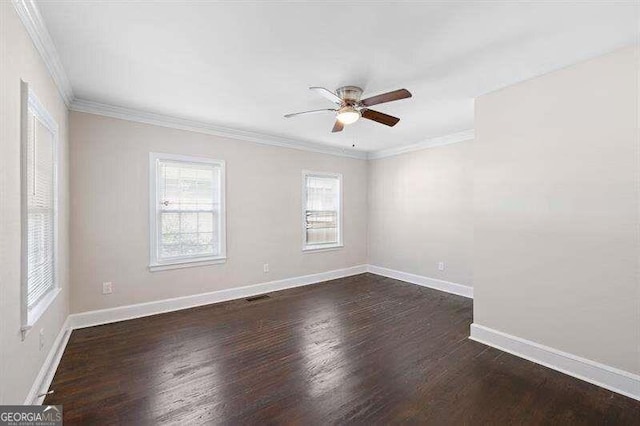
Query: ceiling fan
350	107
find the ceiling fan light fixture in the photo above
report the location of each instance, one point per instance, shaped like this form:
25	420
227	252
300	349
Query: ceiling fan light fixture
350	107
348	115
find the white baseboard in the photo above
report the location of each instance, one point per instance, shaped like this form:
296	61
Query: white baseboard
45	375
449	287
599	374
602	375
121	313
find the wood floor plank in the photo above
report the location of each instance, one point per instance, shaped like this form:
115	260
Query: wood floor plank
358	350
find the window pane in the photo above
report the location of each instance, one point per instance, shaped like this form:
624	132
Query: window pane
189	205
322	209
188	186
188	222
170	223
205	222
171	250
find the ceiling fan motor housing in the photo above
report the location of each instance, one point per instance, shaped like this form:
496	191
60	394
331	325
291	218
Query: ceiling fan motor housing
349	94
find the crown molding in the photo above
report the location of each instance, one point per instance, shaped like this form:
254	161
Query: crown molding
33	23
209	128
428	143
32	20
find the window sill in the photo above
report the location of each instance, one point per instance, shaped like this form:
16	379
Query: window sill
331	247
186	264
37	311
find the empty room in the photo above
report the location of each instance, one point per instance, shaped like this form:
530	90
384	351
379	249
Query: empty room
319	212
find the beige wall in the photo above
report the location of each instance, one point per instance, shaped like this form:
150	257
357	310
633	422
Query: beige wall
110	212
420	212
556	210
20	360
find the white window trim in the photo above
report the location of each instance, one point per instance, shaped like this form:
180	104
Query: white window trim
30	102
154	203
321	247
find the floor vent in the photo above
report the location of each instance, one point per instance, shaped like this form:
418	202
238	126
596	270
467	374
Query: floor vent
256	298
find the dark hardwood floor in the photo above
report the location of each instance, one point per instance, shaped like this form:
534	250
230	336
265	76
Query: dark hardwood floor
364	349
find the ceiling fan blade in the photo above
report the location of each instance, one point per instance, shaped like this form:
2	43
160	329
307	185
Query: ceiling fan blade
315	111
337	127
327	94
396	95
380	117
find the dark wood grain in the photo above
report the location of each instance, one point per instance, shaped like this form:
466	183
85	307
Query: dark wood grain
396	95
379	117
364	349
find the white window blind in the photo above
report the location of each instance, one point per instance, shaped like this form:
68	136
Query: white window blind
188	210
322	210
40	211
39	204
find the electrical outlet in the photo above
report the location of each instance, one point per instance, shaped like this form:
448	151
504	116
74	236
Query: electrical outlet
41	344
107	288
265	268
440	266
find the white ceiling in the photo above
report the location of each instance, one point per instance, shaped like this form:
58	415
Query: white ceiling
245	64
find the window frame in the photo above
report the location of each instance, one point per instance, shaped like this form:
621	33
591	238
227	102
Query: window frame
328	246
31	105
156	264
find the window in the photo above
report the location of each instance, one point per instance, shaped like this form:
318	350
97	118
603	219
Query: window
39	134
322	210
187	211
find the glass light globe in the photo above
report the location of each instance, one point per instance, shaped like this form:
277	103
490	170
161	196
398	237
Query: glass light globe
348	115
